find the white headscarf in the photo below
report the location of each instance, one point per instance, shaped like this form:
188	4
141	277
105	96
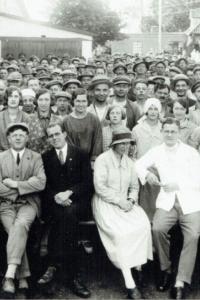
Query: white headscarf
152	102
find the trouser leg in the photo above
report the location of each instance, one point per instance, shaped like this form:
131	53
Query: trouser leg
64	235
162	223
190	225
18	228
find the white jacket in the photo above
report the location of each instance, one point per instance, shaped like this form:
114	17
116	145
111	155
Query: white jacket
179	164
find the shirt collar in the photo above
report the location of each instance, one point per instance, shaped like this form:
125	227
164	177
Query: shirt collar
44	117
64	151
14	152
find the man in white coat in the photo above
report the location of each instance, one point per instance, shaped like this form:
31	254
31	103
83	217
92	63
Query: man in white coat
178	166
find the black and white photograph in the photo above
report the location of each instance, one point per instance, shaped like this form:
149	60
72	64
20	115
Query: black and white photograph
99	149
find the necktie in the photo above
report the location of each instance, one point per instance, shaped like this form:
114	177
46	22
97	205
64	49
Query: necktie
18	159
61	158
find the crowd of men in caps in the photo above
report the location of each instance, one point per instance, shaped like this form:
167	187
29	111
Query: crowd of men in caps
116	140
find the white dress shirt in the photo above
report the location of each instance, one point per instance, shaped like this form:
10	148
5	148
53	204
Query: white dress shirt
15	154
64	151
179	164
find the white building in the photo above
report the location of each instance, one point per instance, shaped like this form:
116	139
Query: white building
21	34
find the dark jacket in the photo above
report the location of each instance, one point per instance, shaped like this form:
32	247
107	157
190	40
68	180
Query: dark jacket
74	175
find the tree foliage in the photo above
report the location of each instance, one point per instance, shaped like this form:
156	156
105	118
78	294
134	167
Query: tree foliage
93	16
175	15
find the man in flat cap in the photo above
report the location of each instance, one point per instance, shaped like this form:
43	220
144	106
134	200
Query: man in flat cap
54	86
121	85
100	87
63	104
119	69
194	114
140	68
181	86
160	68
22	177
68	74
196	72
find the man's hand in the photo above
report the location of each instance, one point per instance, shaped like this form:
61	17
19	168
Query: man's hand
170	187
10	183
62	198
152	179
67	202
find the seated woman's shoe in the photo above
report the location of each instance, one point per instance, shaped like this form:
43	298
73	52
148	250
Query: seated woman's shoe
134	293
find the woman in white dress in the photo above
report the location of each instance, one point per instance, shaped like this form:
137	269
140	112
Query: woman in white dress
123	225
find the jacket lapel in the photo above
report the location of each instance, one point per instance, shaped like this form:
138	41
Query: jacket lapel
10	162
25	163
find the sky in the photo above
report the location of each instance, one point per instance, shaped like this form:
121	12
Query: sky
41	10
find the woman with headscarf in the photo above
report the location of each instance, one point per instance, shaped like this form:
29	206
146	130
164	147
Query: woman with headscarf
147	134
123	226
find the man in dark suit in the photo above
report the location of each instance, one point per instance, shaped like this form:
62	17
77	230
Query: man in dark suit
67	198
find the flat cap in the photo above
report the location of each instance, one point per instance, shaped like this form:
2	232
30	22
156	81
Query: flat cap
68	72
118	65
175	69
18	125
16	76
75	81
63	95
121	79
139	62
56	71
195	86
44	75
100	79
53	82
13	66
180	77
85	74
197	68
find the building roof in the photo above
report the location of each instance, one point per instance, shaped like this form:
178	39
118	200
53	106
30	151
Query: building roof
47	24
193	29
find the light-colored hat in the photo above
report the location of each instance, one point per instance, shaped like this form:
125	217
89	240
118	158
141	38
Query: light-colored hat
180	77
152	102
14	76
28	92
18	125
121	135
68	72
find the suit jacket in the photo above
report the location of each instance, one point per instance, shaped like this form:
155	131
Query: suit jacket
29	174
74	175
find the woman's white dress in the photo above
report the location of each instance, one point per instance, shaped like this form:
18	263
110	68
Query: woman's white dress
126	236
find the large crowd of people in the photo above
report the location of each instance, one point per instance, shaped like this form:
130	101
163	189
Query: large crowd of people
114	139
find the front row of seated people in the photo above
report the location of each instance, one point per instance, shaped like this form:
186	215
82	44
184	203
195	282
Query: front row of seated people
64	176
